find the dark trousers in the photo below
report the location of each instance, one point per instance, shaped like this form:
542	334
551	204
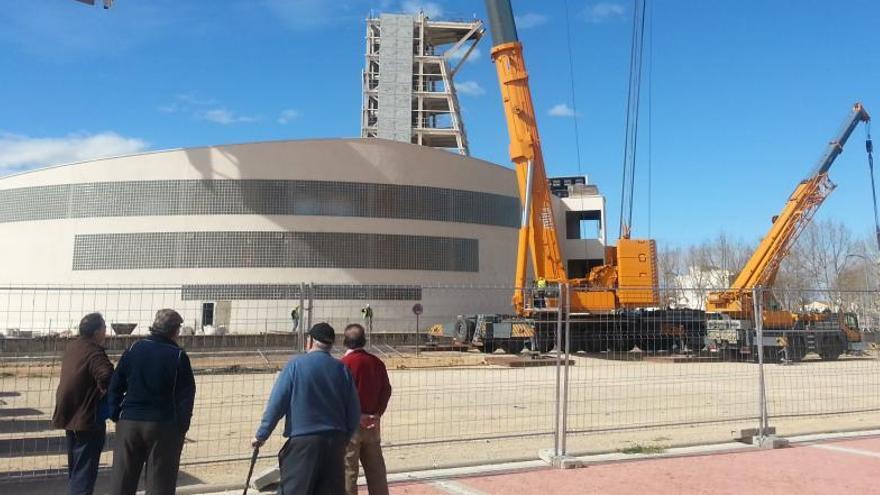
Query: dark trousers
313	465
157	445
83	456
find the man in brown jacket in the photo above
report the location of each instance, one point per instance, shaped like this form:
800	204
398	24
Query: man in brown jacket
85	378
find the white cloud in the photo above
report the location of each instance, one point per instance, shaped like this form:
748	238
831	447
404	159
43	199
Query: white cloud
471	88
457	55
204	109
530	20
170	108
288	116
303	15
186	103
225	117
603	11
194	99
19	152
561	110
430	9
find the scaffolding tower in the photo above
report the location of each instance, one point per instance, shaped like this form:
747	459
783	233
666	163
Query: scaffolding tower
408	89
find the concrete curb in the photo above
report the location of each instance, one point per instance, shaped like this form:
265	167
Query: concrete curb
585	461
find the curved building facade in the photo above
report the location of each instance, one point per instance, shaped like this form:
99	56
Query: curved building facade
230	234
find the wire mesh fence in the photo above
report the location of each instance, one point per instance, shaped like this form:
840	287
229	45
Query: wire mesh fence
472	382
645	379
823	372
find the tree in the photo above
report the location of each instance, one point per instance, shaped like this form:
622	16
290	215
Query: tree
813	270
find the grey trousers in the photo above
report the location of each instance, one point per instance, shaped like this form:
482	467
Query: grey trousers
158	445
313	465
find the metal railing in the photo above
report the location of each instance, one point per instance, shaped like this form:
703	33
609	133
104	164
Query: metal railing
635	380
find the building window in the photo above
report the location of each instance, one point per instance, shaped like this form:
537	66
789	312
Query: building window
346	250
583	224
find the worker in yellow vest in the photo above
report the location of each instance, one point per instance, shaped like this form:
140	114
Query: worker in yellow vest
540	292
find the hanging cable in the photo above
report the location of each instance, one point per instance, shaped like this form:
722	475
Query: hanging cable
577	134
869	148
650	112
627	186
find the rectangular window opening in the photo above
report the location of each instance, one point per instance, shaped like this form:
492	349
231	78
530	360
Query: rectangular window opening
583	224
207	313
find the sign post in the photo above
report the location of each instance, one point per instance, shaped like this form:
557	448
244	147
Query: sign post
417	310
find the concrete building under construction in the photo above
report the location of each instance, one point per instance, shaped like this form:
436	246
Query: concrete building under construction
408	83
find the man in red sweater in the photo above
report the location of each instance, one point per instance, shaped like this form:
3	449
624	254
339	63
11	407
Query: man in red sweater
374	391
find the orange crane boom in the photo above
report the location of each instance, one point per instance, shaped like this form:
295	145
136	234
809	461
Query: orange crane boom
537	233
630	276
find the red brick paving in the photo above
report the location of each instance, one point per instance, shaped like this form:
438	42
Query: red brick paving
799	470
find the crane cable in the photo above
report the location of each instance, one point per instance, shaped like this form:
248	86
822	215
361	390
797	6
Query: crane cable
632	118
577	134
869	148
650	113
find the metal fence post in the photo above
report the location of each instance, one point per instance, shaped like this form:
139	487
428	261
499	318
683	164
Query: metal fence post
301	330
311	306
556	427
766	436
758	302
566	291
370	331
558	458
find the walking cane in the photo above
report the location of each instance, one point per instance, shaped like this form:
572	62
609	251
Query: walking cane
251	470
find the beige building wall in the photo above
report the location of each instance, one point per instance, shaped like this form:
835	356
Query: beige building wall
39	253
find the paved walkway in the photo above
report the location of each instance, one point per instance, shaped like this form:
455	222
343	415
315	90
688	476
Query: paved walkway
845	467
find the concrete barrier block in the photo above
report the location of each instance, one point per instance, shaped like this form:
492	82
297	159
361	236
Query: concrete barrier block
266	479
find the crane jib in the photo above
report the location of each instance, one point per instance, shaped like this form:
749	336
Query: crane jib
835	147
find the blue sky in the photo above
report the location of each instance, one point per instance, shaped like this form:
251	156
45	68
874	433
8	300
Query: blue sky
745	94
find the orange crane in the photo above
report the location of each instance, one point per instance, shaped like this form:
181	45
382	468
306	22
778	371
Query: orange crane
629	277
735	305
615	305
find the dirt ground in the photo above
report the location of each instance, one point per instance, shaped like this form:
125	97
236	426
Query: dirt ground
462	411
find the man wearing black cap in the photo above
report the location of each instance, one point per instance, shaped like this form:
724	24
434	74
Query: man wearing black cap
316	395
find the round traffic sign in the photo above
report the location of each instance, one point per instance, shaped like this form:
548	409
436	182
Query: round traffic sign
417	309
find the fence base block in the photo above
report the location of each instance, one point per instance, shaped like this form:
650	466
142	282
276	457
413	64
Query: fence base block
771	442
267	478
749	435
560	461
765	440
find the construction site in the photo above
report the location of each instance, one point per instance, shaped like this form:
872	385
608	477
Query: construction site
518	329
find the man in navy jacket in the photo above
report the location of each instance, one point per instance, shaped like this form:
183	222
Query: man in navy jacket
315	393
151	400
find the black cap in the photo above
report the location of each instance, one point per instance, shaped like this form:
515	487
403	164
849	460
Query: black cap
323	333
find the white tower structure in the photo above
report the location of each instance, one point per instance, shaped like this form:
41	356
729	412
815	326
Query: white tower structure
409	93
